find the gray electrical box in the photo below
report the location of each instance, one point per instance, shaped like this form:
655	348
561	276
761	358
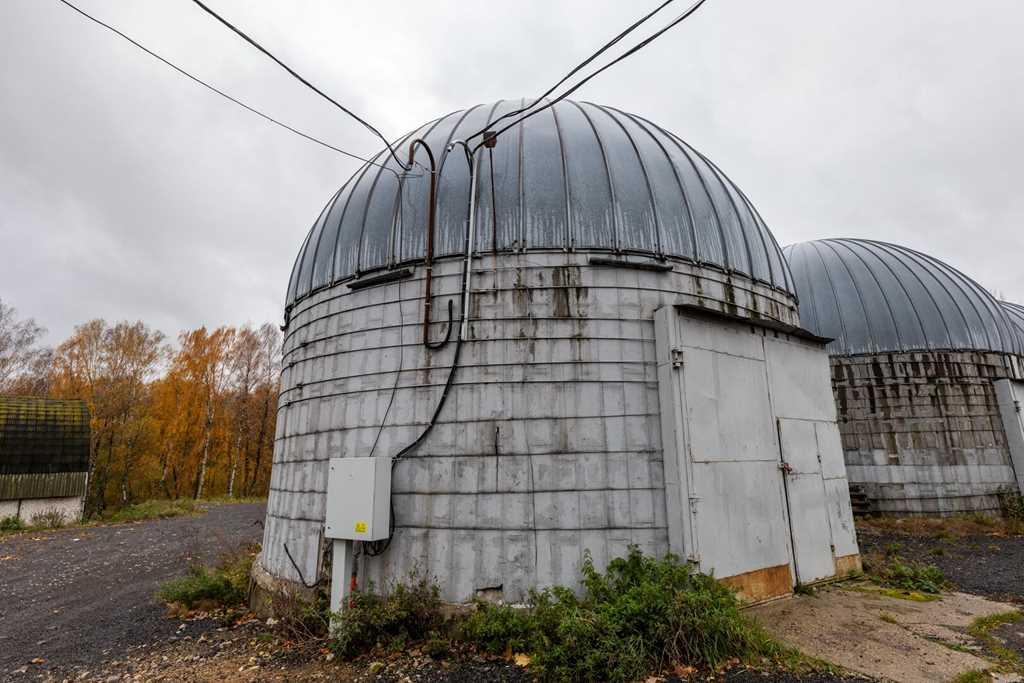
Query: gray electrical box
358	499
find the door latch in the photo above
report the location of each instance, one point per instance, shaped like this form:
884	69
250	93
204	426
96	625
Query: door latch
786	467
677	358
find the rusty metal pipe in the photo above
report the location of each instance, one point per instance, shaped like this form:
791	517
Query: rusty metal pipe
428	294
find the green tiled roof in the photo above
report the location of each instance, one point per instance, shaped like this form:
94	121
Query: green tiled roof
42	435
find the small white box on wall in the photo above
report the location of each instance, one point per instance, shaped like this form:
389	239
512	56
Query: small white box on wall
359	499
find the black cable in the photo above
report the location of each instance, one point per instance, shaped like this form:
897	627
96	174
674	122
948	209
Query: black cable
302	80
693	8
216	90
579	67
297	570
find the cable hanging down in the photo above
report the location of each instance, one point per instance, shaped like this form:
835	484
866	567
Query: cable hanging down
298	77
218	91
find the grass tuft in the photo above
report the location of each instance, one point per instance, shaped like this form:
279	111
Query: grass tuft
225	585
908	577
152	509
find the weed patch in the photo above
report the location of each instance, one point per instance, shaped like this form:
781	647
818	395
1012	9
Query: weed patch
640	616
907	577
405	614
225	585
51	518
11	524
982	627
152	509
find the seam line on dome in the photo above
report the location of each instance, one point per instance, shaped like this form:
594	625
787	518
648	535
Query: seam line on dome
647	176
971	293
608	175
910	300
888	306
894	253
641	124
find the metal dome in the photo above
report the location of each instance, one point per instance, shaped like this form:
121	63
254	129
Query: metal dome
1015	312
875	297
576	176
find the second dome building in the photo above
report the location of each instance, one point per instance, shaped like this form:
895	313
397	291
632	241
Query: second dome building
925	363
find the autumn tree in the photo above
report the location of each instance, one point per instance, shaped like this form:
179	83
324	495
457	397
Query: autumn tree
24	365
111	368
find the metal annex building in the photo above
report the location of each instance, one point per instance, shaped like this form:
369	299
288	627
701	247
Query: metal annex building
923	360
631	369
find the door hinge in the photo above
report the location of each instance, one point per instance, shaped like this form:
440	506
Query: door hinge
677	358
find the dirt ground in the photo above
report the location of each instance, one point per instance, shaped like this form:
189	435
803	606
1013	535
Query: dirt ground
74	598
859	629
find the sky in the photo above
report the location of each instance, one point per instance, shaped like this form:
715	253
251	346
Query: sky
129	192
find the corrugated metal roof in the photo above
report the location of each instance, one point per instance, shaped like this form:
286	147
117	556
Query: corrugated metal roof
1016	314
42	435
875	297
576	176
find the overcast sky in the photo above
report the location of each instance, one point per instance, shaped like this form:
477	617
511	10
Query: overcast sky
129	192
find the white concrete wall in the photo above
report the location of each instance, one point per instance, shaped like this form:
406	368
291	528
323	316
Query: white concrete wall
549	443
70	508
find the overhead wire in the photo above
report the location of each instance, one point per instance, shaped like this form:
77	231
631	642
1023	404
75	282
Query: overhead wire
218	91
604	48
647	41
299	77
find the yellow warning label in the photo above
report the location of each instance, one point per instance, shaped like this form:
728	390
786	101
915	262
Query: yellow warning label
360	527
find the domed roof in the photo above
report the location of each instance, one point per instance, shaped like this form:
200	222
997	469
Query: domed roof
1016	314
576	176
874	297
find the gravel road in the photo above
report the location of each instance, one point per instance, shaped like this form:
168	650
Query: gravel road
992	566
76	597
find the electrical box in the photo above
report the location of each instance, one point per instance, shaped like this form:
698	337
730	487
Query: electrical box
358	499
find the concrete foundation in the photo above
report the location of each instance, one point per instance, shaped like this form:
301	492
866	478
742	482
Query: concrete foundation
922	432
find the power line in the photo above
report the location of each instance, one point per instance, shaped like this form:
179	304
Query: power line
296	75
682	17
215	89
580	66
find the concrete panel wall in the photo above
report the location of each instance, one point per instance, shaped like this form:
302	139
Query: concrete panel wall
69	507
548	445
922	432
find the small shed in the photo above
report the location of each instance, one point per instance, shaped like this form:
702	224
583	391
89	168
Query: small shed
44	457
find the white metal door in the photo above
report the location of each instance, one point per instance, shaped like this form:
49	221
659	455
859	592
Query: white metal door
807	500
736	497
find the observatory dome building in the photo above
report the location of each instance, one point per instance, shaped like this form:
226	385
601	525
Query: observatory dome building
611	366
922	360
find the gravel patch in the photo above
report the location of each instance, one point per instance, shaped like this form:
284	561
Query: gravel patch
74	598
987	565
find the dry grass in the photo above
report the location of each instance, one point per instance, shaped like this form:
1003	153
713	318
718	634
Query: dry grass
957	526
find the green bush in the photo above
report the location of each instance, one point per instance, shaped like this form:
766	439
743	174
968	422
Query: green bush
406	614
11	523
637	617
225	585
